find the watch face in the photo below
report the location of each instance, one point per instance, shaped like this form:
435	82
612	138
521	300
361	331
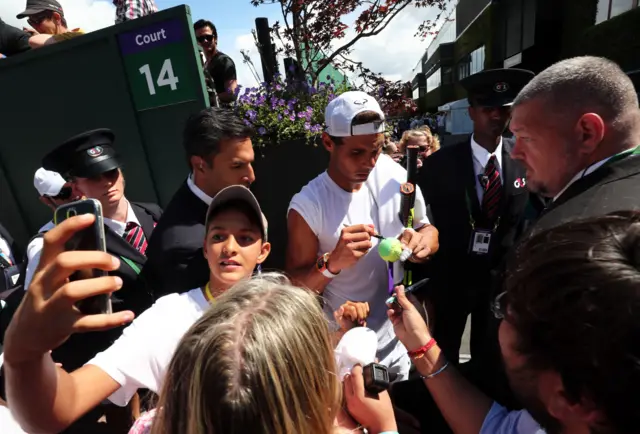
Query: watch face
320	263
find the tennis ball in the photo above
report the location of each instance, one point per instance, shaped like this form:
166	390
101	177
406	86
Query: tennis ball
390	249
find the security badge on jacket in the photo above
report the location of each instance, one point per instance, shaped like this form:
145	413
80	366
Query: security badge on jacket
481	238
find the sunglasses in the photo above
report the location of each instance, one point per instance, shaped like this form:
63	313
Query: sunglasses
65	194
205	38
36	19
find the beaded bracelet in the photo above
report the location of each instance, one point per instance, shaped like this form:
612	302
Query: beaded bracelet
423	349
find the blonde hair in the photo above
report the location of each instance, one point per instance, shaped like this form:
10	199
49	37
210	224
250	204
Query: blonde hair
423	131
259	360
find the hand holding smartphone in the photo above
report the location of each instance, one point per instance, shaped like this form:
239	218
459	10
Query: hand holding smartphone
88	239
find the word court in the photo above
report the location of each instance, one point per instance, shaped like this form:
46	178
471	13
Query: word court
149	38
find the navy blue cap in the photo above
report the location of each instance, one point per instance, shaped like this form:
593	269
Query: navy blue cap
495	87
85	155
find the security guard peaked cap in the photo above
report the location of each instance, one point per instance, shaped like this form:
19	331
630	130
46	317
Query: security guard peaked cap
495	87
86	155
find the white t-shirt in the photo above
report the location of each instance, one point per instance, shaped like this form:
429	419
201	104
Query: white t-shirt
326	208
140	357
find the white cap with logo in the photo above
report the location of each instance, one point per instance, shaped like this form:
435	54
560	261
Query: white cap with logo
48	183
340	113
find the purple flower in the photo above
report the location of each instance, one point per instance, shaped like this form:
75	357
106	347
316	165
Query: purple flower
262	131
286	112
279	117
307	126
309	109
292	117
278	87
247	123
281	102
251	114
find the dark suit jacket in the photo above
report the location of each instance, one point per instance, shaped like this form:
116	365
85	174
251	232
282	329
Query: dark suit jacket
175	261
613	187
447	179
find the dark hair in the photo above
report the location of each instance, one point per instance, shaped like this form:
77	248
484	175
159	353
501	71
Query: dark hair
574	301
205	130
236	205
363	118
206	23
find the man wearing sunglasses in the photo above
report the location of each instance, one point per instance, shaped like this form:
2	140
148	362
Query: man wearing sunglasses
47	19
218	66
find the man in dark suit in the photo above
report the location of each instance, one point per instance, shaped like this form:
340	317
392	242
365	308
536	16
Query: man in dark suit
577	127
89	160
219	153
476	197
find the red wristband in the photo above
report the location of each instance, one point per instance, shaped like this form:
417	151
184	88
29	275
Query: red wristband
423	349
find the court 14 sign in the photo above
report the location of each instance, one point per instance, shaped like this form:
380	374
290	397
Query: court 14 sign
156	61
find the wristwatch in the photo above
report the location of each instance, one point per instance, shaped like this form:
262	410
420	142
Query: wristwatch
321	265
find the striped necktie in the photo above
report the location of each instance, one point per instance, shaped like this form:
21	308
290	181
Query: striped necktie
134	235
492	191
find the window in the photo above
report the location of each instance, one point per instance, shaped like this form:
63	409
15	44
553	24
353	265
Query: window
610	8
472	63
416	93
434	81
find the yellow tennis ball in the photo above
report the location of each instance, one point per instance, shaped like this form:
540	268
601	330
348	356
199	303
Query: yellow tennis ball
390	249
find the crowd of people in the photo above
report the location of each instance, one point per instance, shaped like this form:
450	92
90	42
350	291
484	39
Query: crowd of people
536	238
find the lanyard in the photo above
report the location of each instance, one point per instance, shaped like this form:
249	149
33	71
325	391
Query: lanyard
621	155
472	221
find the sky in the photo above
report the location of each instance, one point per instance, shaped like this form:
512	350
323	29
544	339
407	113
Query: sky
394	52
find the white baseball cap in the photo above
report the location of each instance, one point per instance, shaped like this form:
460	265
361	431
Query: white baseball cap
340	113
48	183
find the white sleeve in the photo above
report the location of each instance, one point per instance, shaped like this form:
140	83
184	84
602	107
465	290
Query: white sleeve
420	210
308	208
501	421
132	360
34	250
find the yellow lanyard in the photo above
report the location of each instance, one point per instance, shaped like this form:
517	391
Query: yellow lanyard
207	292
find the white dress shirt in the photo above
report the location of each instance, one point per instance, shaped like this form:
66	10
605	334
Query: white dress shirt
119	227
480	159
196	190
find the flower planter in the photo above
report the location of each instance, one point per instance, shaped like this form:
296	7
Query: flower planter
281	171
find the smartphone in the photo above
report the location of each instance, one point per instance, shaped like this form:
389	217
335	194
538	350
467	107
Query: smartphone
90	238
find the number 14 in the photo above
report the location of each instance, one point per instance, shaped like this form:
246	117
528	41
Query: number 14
165	78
